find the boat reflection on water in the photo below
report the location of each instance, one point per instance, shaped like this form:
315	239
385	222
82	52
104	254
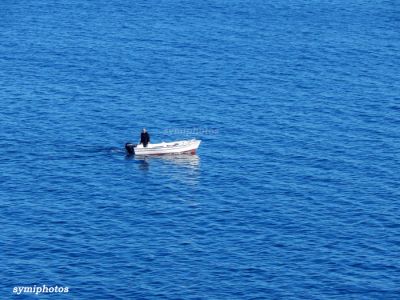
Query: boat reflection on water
182	160
143	165
183	167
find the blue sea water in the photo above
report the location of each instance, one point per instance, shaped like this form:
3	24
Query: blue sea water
294	192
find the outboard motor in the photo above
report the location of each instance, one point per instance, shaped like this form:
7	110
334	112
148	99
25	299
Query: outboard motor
130	148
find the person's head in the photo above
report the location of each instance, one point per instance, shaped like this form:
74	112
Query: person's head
144	130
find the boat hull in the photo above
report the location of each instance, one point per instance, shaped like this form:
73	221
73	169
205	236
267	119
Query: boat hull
178	147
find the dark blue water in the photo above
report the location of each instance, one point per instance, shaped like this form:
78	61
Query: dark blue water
294	193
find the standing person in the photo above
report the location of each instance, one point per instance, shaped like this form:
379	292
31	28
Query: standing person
144	137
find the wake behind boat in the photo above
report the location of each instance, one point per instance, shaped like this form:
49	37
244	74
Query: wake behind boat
177	147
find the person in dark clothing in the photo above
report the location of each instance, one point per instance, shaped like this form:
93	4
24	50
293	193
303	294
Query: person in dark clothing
144	137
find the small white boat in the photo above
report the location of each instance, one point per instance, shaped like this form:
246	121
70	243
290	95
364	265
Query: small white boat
178	147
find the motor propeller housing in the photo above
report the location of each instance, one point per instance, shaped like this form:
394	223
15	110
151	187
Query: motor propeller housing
130	148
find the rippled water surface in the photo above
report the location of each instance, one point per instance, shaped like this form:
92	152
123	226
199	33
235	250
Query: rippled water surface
294	192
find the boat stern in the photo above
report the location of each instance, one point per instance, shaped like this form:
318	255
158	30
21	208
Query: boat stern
130	148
